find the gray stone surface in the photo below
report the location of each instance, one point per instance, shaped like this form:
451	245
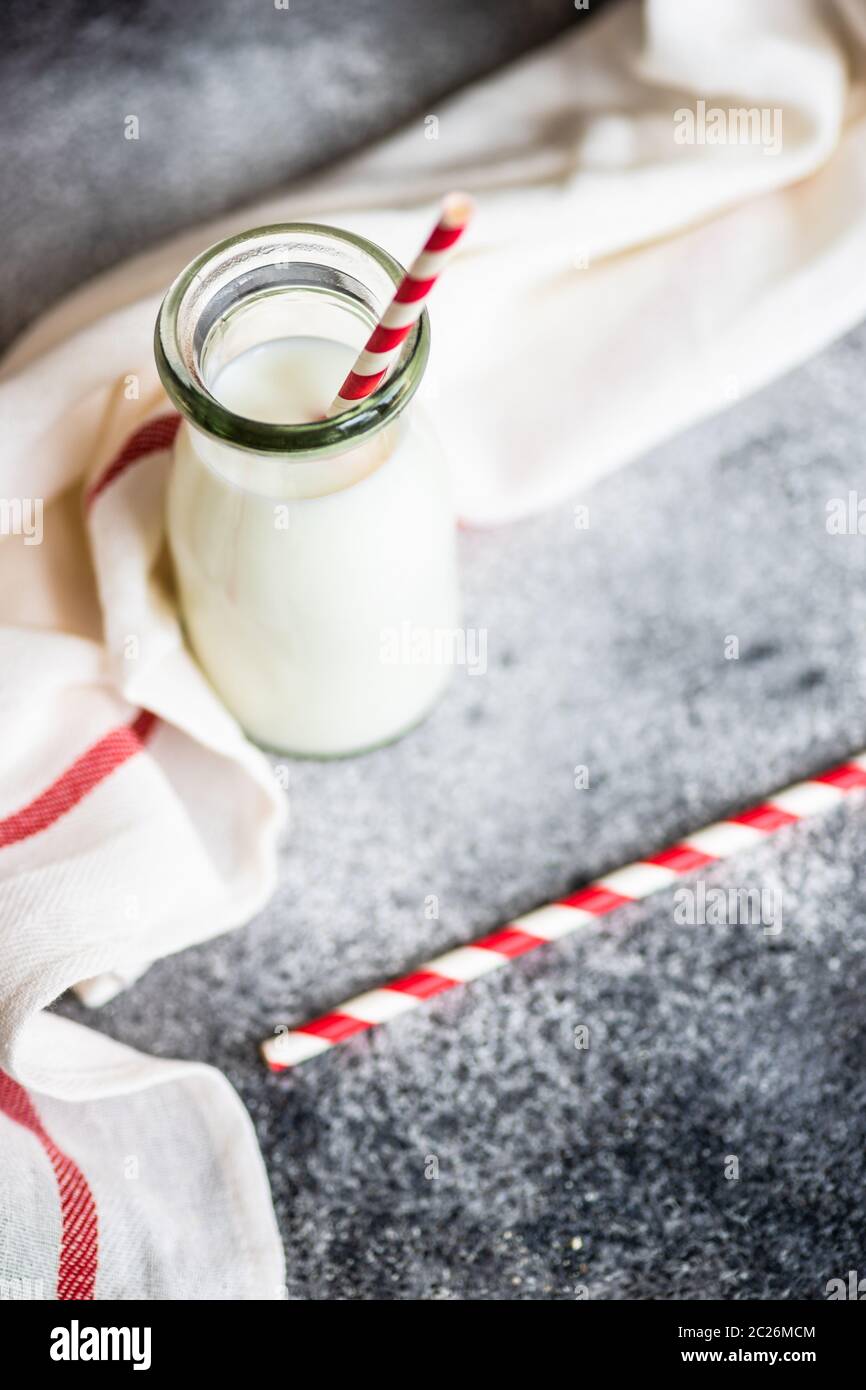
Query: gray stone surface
606	649
232	98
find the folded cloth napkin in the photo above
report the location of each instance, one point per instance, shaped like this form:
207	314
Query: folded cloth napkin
139	820
638	259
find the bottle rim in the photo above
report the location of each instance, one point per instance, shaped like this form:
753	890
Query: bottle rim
177	356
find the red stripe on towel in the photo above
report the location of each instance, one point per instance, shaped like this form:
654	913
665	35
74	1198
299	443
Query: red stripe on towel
94	765
151	438
79	1235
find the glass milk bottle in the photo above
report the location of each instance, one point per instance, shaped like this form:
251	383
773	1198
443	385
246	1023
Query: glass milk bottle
314	557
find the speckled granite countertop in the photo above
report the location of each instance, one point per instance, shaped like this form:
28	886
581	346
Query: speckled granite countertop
603	1169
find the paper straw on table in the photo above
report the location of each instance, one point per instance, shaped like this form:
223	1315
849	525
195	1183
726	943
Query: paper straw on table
287	1047
398	320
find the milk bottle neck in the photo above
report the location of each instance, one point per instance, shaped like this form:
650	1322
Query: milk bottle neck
276	283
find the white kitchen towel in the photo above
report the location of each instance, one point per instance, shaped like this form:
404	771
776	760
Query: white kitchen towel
134	820
671	208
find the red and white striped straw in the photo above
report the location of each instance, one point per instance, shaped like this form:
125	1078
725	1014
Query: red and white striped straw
398	320
714	843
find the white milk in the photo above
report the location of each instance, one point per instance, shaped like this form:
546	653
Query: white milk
304	583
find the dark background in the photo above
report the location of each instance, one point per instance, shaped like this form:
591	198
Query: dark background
233	98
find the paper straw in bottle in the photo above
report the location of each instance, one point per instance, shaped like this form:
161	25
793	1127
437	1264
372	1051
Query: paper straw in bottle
383	346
